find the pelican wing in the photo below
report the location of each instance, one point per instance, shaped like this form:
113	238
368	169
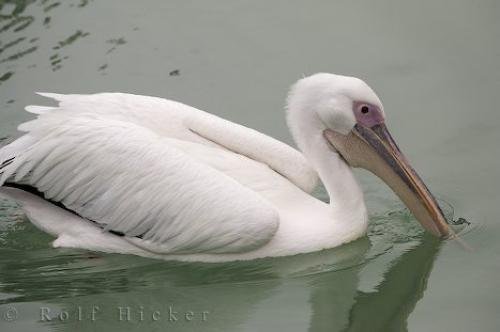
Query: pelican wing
176	120
127	174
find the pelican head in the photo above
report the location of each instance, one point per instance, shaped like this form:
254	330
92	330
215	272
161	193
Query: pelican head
345	114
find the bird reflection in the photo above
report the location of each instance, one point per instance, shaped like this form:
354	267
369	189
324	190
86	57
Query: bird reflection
317	292
390	305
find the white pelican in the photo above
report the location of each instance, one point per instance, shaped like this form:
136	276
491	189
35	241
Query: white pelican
133	174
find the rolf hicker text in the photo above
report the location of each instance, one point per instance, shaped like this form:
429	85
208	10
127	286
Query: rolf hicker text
123	313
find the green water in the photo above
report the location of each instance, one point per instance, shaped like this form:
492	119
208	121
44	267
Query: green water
435	65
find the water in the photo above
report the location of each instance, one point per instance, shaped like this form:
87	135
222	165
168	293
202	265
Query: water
436	67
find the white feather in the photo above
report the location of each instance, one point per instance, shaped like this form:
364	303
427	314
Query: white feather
178	182
123	166
115	159
38	109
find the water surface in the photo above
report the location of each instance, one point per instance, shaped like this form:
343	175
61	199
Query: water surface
436	66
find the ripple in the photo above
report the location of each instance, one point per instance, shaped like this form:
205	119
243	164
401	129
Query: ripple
460	225
27	258
6	76
17	24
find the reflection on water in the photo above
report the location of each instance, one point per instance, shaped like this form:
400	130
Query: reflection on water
18	15
435	65
55	59
327	286
6	76
386	308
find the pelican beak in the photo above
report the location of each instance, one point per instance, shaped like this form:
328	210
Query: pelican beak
374	149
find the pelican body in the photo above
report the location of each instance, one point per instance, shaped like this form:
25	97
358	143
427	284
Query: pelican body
142	175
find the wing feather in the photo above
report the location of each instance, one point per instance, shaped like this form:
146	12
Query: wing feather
131	179
177	120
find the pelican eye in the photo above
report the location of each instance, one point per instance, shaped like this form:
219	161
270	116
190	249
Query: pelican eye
365	109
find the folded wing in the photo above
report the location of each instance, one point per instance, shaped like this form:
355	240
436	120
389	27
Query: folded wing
128	178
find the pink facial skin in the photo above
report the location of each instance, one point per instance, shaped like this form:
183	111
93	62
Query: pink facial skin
367	115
